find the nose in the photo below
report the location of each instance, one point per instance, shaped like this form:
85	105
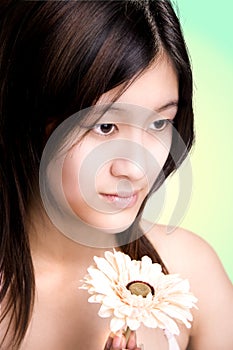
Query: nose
133	160
127	168
130	160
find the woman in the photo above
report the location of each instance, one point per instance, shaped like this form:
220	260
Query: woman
59	58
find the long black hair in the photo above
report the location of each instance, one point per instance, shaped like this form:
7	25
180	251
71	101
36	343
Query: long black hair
56	58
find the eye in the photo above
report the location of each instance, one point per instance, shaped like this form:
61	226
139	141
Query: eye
159	125
105	129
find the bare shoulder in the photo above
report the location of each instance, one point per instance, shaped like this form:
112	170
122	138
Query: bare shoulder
185	251
188	254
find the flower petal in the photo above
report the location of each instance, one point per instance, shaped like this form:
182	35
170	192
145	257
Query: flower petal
169	303
106	268
117	324
133	323
166	322
105	311
150	322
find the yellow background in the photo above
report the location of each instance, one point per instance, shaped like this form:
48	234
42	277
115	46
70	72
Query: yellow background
208	30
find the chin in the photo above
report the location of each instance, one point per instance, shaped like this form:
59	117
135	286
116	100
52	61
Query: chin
115	230
113	226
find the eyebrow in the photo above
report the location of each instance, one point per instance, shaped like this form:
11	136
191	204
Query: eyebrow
167	105
173	103
170	104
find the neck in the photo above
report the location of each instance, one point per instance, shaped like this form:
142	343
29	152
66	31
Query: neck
49	245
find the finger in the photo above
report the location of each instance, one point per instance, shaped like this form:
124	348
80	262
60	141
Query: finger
132	342
108	344
118	342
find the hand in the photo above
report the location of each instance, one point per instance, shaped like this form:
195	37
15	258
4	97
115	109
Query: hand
118	342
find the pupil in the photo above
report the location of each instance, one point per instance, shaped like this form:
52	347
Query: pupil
106	128
159	124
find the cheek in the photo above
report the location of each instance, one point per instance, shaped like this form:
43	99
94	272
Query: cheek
70	171
160	146
162	153
77	180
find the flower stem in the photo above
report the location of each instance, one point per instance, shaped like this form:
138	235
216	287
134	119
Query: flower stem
127	334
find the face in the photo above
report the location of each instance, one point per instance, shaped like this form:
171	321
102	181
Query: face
107	175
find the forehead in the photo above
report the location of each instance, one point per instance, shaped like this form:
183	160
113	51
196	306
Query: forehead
155	87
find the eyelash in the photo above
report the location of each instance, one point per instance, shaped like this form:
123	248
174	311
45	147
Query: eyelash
165	123
98	126
113	127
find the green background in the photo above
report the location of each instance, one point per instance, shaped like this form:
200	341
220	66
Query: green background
208	31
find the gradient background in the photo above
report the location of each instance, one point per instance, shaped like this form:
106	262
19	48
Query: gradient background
208	31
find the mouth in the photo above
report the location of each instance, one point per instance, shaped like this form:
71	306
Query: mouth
121	200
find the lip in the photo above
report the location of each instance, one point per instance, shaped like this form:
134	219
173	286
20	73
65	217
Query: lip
122	200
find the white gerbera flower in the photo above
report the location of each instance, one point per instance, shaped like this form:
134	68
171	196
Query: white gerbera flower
133	292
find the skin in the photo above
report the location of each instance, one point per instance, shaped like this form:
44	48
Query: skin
161	80
139	128
119	342
63	318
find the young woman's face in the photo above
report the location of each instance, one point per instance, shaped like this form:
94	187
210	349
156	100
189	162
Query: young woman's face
107	175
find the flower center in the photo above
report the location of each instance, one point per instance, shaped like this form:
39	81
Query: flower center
140	288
